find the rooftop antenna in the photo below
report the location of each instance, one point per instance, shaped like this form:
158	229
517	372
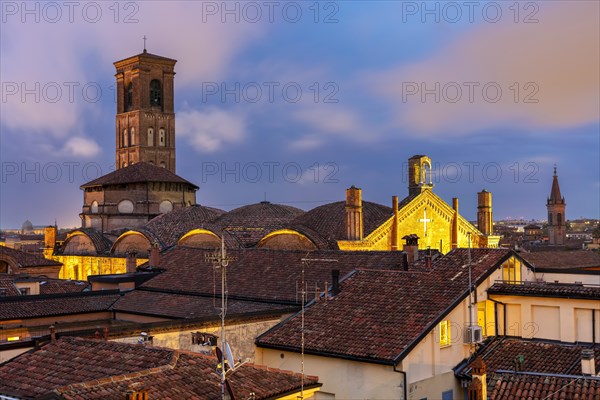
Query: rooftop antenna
471	317
221	260
304	292
144	43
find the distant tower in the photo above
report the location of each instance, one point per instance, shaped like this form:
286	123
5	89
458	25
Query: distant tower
485	223
557	230
145	121
419	174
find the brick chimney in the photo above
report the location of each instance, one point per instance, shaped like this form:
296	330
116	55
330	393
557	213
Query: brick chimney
485	222
588	362
154	260
478	387
354	216
411	247
395	223
49	240
455	223
130	263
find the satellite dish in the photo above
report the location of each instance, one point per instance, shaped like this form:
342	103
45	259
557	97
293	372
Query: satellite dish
229	356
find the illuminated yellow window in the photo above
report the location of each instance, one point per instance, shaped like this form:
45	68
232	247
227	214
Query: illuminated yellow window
511	270
486	318
445	339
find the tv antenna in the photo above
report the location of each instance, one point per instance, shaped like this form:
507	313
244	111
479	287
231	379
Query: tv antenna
220	260
305	261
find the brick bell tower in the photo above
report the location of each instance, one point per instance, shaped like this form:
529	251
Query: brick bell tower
557	229
145	121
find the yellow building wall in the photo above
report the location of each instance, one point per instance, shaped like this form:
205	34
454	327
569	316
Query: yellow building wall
78	267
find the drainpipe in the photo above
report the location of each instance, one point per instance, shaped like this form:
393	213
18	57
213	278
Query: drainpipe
404	380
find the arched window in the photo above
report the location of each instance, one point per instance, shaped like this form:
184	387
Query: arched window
549	218
133	136
161	137
163	165
155	93
559	219
94	207
124	165
150	137
129	97
125	138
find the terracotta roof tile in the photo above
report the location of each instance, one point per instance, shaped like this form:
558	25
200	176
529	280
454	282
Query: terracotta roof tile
558	260
187	306
328	220
170	227
72	360
43	306
57	286
546	289
26	259
249	224
91	369
7	286
138	172
361	321
188	271
526	387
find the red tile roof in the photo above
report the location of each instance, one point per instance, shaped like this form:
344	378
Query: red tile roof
187	306
546	289
57	286
7	286
26	260
26	307
529	387
362	321
562	260
188	271
549	370
90	369
138	172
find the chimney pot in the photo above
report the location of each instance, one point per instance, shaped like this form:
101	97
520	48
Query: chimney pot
588	362
105	333
130	263
52	333
154	260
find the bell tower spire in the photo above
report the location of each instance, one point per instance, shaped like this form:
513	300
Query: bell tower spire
145	120
557	229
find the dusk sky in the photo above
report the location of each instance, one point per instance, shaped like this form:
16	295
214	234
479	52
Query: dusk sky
296	101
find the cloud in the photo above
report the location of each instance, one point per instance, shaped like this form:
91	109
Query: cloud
81	147
209	131
555	61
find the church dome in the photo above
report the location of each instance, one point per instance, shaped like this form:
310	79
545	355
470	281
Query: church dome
170	227
27	226
251	223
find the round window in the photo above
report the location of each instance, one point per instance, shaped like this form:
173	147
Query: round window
165	207
125	207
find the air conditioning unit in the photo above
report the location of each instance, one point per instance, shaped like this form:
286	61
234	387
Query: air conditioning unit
473	334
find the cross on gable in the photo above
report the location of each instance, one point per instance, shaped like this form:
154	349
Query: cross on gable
425	220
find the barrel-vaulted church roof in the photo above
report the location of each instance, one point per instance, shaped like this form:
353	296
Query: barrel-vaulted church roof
329	220
249	224
136	173
170	227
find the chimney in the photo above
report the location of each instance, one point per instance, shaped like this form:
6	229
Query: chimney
130	263
49	240
478	386
52	333
455	223
105	333
485	222
405	261
411	247
335	282
354	217
428	261
588	362
154	260
395	223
